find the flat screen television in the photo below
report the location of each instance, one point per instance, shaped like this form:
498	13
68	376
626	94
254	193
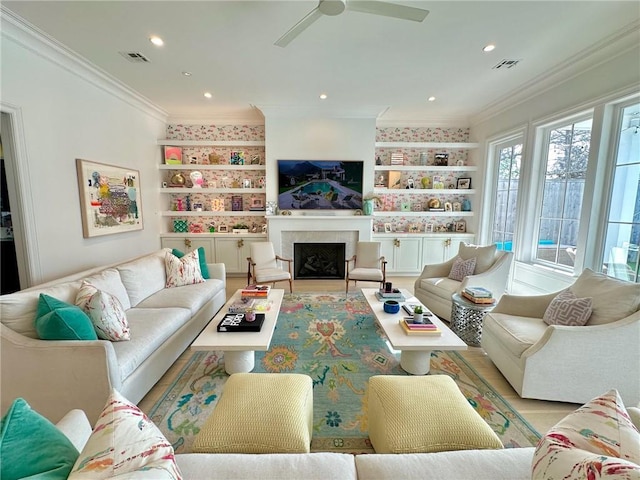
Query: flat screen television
320	184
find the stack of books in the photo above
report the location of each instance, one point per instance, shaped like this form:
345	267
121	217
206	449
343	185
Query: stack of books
242	305
426	328
394	294
236	322
255	291
478	295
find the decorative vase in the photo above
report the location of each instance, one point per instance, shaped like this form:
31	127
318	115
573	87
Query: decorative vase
466	205
367	207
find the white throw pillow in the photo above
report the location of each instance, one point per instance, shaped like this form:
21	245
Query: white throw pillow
108	317
462	268
125	444
567	309
183	271
598	440
484	255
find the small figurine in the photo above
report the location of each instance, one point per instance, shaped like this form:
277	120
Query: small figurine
196	179
410	183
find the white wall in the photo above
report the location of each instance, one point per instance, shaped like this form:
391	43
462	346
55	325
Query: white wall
67	112
319	138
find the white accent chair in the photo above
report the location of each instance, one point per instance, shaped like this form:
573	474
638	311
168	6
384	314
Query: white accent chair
367	264
569	363
434	288
263	265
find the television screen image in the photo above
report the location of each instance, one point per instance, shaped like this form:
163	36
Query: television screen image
320	184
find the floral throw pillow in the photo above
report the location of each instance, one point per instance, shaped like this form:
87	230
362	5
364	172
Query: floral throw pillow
567	309
598	440
183	271
462	268
108	317
125	444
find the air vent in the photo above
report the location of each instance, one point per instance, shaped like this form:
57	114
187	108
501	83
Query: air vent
504	64
135	57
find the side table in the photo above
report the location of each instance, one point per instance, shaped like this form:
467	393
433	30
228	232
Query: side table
466	318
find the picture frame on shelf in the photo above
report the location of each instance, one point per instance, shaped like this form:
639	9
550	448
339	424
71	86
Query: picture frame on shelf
223	228
428	228
414	228
257	203
264	228
463	183
387	228
110	198
255	159
405	206
394	179
236	157
236	203
246	183
448	207
456	207
172	155
441	159
461	226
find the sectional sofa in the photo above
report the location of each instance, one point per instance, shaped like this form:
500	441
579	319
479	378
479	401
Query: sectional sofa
55	376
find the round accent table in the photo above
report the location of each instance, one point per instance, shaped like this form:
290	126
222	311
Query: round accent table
466	319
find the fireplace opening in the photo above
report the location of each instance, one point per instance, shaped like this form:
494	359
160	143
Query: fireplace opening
318	260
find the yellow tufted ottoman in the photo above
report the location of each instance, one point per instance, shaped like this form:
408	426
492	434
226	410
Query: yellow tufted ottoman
260	413
424	414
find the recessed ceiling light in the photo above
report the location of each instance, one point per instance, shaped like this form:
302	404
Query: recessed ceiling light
208	95
489	48
157	41
431	99
323	96
186	74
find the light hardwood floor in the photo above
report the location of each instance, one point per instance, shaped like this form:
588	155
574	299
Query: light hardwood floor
542	415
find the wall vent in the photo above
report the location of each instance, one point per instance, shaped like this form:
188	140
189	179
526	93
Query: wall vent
504	64
135	57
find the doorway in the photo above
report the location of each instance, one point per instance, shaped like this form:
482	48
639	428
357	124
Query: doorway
9	277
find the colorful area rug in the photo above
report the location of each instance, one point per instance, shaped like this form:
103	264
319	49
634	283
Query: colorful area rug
335	340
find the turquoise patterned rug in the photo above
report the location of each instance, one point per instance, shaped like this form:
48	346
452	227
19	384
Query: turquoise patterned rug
334	339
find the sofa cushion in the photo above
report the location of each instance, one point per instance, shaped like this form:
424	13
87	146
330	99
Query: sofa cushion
108	317
150	328
192	297
125	444
109	281
462	268
484	255
17	310
516	333
32	447
612	299
58	320
440	287
182	271
567	309
202	259
599	437
144	276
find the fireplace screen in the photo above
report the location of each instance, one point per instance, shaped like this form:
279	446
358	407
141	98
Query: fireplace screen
318	260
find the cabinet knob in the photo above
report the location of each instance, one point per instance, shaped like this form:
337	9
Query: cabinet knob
447	242
396	242
187	242
240	243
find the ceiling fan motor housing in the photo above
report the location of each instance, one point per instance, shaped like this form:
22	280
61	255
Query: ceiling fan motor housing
332	7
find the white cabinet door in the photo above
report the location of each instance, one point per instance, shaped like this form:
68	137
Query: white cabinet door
438	250
403	255
187	244
452	250
233	252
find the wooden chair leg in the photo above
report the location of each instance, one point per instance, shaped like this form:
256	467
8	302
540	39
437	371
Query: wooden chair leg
290	286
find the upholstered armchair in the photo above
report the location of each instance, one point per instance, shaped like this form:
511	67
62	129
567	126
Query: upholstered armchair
565	362
434	287
263	265
366	265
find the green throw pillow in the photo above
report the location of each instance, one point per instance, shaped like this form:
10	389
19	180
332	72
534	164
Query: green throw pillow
204	270
30	445
58	320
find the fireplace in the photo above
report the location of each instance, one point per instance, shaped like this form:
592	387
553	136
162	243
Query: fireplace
318	260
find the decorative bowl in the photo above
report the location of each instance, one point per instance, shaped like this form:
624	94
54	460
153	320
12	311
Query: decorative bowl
391	306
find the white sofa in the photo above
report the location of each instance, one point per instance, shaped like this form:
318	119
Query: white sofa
505	464
569	363
55	376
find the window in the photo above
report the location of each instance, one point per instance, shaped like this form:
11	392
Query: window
509	156
567	157
622	237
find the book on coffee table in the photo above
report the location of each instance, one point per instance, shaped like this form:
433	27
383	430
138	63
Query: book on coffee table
419	331
255	291
237	322
396	296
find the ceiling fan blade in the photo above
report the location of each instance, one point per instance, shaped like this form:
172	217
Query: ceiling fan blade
388	10
298	28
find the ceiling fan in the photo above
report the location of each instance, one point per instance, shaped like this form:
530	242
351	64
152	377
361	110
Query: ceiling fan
336	7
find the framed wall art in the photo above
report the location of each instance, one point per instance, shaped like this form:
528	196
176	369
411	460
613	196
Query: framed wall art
463	183
110	200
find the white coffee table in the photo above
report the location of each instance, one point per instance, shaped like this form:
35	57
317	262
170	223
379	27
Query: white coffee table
239	347
415	351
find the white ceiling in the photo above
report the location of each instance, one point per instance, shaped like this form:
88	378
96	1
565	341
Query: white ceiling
365	63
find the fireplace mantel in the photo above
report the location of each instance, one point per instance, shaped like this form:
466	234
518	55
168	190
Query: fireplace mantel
329	228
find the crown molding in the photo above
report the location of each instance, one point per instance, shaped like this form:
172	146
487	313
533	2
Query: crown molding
28	36
619	43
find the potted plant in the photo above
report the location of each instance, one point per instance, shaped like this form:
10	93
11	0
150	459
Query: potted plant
240	228
417	314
